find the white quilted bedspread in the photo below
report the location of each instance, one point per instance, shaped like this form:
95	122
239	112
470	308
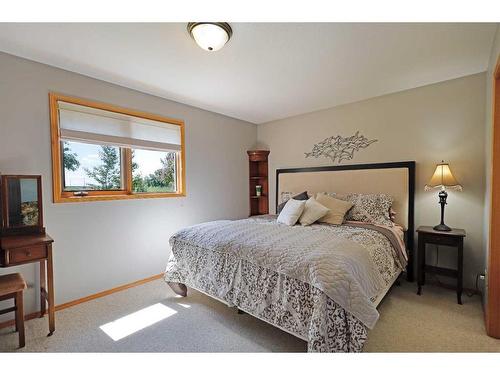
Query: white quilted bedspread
339	267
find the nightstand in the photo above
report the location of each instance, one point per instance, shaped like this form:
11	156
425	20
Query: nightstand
453	238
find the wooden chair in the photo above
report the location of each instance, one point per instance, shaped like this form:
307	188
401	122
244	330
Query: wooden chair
12	286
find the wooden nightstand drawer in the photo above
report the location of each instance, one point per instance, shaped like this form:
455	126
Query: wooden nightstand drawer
441	240
25	254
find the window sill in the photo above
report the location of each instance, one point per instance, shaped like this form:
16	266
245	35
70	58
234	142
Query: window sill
112	197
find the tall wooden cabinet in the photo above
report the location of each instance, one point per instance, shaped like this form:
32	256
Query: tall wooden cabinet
258	176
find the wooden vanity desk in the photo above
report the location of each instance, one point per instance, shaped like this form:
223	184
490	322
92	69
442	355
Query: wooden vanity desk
33	248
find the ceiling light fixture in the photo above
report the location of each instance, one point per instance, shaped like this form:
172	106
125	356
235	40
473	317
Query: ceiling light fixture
211	36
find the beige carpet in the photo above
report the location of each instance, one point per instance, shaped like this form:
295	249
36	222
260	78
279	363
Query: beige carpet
431	322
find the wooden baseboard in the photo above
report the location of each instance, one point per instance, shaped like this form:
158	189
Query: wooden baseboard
107	292
75	302
12	322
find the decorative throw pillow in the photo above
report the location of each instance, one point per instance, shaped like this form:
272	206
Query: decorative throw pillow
299	197
291	212
370	208
313	211
338	208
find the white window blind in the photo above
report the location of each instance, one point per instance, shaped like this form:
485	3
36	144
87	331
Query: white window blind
92	125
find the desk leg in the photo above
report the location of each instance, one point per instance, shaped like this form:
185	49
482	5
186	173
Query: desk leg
460	271
15	305
43	288
20	318
50	291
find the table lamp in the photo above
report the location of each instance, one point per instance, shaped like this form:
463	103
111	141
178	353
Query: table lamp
443	179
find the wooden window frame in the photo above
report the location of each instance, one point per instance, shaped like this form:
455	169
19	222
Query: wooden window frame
61	196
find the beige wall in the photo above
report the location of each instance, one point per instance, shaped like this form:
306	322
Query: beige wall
494	56
100	245
427	124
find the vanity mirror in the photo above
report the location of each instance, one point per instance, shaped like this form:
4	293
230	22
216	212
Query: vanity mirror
21	204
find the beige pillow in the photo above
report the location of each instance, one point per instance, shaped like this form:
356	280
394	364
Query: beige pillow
338	209
312	212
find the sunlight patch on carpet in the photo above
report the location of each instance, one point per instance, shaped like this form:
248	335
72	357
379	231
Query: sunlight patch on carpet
129	324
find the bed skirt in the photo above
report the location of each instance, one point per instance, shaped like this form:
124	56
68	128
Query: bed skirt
289	304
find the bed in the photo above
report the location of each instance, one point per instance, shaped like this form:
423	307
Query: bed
321	283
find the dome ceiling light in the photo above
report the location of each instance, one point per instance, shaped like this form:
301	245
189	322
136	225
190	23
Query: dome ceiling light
211	36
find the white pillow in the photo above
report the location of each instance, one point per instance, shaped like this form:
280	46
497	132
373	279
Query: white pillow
291	212
313	211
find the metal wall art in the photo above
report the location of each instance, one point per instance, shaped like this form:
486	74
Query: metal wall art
338	148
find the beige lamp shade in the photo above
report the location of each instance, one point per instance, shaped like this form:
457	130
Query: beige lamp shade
443	178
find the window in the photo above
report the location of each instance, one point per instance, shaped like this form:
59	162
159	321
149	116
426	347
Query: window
91	167
101	152
153	171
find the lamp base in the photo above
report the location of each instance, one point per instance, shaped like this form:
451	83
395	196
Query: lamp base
442	228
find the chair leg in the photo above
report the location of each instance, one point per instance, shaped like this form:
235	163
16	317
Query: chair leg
15	305
20	317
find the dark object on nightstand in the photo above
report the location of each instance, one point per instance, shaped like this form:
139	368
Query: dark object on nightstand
258	183
454	238
443	195
443	178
